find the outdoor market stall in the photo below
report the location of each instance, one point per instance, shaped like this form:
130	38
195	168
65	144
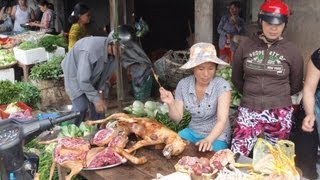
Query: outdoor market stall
146	162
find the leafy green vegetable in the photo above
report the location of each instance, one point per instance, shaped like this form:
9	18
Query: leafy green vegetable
29	94
8	92
164	119
235	95
28	45
19	91
72	130
51	42
86	129
49	70
46	158
138	109
159	112
6	57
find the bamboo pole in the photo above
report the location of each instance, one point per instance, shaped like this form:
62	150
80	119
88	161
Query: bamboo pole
114	10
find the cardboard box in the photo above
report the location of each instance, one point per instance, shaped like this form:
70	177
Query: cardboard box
7	74
30	56
20	104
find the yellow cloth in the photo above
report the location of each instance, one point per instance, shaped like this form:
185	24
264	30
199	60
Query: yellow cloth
76	32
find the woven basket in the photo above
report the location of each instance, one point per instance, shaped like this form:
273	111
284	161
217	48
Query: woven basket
167	67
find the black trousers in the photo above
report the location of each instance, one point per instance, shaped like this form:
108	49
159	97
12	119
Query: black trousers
306	146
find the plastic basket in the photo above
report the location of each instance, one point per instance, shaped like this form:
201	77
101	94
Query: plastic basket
167	67
21	105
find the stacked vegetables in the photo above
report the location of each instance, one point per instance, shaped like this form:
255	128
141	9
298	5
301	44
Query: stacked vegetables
49	42
6	58
49	70
147	109
71	130
19	91
159	112
235	95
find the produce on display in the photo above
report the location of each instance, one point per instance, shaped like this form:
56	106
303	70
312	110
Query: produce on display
28	45
12	108
45	153
51	42
49	70
159	112
17	110
235	95
6	58
19	91
8	42
48	42
151	132
147	109
71	130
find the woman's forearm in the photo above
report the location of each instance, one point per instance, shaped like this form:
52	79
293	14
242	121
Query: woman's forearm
308	101
217	130
175	111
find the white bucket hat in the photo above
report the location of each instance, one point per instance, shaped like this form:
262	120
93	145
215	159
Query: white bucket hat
201	53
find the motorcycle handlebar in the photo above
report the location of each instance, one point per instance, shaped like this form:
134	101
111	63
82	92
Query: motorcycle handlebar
35	128
64	118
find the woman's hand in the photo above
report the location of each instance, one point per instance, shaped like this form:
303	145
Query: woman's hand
166	96
308	123
32	23
204	145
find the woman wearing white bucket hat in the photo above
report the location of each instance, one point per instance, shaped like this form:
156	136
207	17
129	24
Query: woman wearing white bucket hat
205	96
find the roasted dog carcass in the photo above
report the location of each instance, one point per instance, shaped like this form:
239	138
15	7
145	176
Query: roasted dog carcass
151	132
70	153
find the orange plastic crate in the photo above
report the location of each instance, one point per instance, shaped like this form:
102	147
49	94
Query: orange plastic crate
20	104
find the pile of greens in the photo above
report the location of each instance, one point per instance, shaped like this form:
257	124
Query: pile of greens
49	42
159	112
28	45
147	109
72	130
49	70
235	95
19	91
45	153
6	57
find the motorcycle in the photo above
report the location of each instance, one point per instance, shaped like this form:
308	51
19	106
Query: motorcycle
15	163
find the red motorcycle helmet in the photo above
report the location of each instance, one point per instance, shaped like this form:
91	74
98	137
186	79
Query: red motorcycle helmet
274	12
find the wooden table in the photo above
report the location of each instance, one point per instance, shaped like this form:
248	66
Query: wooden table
157	163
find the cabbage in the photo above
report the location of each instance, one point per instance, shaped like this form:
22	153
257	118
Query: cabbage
151	105
86	129
164	109
70	130
138	109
